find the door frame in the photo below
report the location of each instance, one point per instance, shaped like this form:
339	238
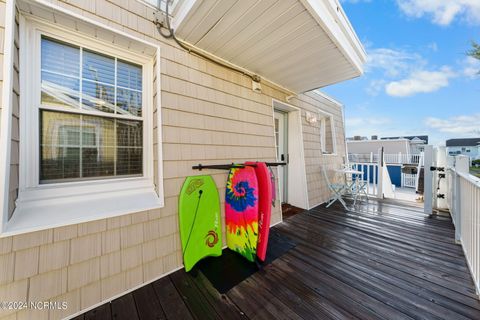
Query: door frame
283	144
296	173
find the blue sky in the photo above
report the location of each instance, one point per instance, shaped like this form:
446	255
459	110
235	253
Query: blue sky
418	79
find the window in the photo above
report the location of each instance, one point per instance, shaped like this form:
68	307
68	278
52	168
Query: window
87	126
90	114
327	135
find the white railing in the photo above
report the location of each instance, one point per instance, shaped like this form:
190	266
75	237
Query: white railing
463	198
390	158
409	180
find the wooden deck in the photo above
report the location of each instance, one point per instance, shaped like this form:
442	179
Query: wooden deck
384	261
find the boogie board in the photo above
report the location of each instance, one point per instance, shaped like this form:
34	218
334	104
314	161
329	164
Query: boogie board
199	220
241	212
264	206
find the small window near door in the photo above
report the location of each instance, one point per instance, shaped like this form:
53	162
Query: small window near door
327	135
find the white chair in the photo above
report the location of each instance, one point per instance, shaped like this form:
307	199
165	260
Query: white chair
356	186
337	190
361	191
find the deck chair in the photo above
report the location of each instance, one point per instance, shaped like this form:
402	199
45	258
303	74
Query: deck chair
337	190
362	186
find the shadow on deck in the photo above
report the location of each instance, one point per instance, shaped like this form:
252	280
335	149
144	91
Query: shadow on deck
384	261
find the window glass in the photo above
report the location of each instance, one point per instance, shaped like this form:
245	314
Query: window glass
59	146
129	88
60	74
79	145
327	142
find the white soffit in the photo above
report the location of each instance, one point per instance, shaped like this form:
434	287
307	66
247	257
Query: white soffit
41	10
299	44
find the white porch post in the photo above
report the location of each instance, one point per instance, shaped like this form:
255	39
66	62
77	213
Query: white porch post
462	165
441	160
428	180
380	174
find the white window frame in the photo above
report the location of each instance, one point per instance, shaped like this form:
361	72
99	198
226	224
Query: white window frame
42	206
323	134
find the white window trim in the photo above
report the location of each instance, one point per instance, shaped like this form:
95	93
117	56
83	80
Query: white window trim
323	119
43	206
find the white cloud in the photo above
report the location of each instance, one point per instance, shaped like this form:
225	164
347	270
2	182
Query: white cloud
471	67
393	62
442	12
459	125
375	87
420	82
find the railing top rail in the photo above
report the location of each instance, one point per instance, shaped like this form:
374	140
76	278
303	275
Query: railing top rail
467	176
470	178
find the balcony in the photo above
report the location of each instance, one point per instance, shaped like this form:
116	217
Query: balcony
382	261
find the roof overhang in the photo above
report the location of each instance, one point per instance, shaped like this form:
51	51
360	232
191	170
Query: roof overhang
299	44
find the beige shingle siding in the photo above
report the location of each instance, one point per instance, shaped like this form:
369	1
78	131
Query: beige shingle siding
314	159
209	115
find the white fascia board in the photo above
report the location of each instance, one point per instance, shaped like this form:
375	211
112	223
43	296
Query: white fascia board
322	13
185	8
327	97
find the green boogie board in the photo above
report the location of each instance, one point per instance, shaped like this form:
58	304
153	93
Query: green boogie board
199	220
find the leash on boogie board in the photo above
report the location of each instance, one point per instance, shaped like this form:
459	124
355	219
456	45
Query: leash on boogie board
200	192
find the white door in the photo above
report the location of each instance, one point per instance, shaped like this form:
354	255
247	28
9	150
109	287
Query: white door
282	153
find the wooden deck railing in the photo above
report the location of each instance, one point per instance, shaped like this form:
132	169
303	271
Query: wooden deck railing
463	198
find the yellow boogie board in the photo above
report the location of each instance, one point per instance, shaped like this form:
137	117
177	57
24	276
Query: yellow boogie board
199	220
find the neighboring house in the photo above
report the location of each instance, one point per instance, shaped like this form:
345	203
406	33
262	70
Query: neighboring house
398	152
468	146
372	146
417	143
102	119
391	145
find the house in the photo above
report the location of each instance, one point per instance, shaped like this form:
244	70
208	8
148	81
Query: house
416	142
391	145
469	147
399	153
102	118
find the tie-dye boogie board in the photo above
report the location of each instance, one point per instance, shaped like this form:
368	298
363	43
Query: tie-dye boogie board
241	212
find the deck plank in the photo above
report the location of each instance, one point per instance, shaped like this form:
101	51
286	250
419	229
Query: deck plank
196	302
378	264
223	305
384	260
170	300
148	307
124	308
102	312
406	255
